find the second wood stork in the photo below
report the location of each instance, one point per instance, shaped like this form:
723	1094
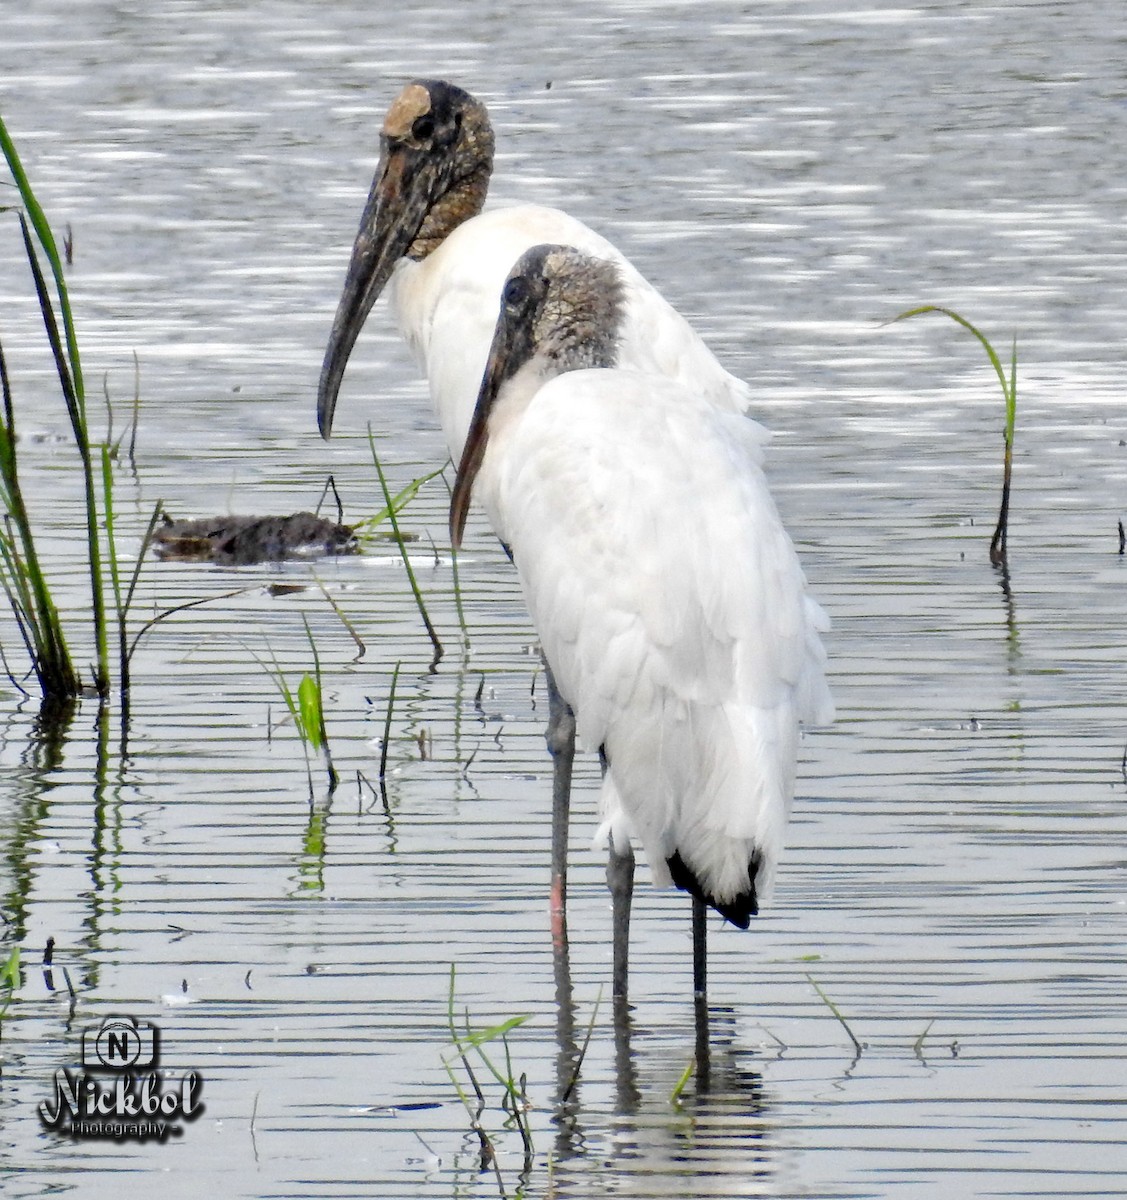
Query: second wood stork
424	236
423	232
668	598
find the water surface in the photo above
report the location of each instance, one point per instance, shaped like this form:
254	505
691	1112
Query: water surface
792	175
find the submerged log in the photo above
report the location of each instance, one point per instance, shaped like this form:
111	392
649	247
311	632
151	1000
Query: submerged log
243	541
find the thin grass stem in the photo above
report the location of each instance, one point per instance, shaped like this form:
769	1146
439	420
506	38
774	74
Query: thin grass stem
1009	391
111	558
136	408
70	380
387	731
25	582
319	715
682	1082
837	1013
179	608
918	1044
434	638
361	648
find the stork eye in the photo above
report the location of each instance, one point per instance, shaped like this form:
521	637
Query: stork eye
423	128
515	293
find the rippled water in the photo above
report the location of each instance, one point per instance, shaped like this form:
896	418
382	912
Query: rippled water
792	175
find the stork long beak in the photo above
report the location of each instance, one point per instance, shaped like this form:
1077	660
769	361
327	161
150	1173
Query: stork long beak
402	193
509	351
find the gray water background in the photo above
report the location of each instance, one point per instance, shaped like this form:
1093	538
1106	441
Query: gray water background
791	175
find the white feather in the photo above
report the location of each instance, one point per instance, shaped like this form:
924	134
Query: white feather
446	306
670	605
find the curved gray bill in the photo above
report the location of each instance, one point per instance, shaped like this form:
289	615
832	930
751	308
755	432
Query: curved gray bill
393	215
510	350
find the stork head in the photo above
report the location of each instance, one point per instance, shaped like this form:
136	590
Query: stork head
561	310
436	155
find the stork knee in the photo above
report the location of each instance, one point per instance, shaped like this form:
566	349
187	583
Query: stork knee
620	873
560	734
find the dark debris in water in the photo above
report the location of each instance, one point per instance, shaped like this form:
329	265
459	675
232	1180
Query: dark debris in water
244	541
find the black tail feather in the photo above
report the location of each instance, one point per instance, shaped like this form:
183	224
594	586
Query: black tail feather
739	910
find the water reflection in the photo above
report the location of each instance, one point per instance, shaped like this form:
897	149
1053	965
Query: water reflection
706	1129
310	874
1009	602
35	788
40	750
710	1140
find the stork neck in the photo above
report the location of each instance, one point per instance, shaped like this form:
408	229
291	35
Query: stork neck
514	398
464	199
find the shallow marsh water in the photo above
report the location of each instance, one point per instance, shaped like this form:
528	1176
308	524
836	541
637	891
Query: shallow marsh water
791	174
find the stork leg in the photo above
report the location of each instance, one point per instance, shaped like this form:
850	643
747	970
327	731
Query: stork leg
700	949
561	745
700	992
620	880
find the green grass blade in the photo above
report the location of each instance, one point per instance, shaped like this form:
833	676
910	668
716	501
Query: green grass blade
1011	396
918	1044
959	319
11	582
361	649
9	979
399	501
70	379
450	1023
108	512
313	711
35	611
1009	392
837	1013
432	633
17	586
46	238
682	1083
478	1037
283	687
309	710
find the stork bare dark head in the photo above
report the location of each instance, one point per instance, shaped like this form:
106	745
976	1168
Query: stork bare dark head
436	156
561	310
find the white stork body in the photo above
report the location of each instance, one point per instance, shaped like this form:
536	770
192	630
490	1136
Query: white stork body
446	308
670	605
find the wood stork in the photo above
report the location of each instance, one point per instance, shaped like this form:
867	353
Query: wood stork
668	598
423	234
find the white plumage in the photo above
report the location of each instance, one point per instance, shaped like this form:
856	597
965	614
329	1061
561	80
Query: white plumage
672	609
668	598
446	309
